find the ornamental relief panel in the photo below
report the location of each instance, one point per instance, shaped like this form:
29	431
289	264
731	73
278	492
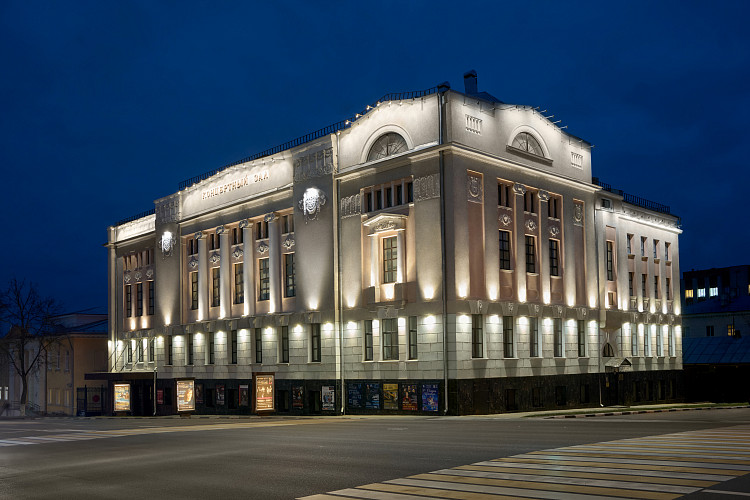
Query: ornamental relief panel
474	189
288	243
427	187
238	252
311	203
505	219
578	213
351	206
554	230
313	165
543	195
530	225
168	210
519	189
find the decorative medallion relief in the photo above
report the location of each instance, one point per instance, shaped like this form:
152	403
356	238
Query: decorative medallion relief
167	243
238	252
193	263
138	276
578	213
214	258
351	206
427	187
220	230
554	231
245	223
531	225
310	204
313	165
262	247
288	243
126	278
474	189
505	220
543	195
519	189
149	273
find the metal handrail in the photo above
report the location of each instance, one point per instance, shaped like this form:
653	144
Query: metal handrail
632	199
136	217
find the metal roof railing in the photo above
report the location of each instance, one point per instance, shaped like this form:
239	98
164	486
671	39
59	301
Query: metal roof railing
634	200
136	217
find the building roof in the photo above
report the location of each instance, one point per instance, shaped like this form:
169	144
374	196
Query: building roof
715	350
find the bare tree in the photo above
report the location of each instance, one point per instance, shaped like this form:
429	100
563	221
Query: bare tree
26	320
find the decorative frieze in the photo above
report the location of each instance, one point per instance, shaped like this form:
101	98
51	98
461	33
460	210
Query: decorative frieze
351	206
427	187
313	165
474	191
167	210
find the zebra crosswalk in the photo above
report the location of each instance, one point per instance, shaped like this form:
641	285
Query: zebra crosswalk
651	468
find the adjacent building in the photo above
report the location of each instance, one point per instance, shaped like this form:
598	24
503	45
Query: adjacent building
441	251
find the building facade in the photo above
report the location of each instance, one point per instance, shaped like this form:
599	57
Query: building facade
441	251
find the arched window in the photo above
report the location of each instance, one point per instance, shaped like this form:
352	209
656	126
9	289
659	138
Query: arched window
608	352
527	143
387	145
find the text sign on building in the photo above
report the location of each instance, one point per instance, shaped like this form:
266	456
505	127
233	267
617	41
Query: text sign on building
264	390
122	397
185	395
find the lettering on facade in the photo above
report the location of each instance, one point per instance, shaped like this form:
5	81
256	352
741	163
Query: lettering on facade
236	184
313	165
427	187
351	206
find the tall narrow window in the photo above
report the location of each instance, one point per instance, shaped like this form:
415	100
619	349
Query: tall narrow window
581	338
170	350
263	280
554	258
503	195
409	192
194	290
643	285
656	287
139	299
284	345
530	255
412	337
647	341
190	352
368	340
529	202
631	288
610	261
659	342
130	354
389	334
557	337
390	260
139	347
211	348
671	340
237	236
666	251
258	334
633	340
477	336
128	300
315	349
290	289
151	298
629	244
504	250
151	350
656	249
239	283
399	194
553	208
668	285
534	337
215	287
508	336
643	246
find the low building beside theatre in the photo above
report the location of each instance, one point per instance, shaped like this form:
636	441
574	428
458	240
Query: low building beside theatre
441	251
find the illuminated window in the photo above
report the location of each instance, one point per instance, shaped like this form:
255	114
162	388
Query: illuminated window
730	330
139	350
659	342
367	345
210	348
389	334
194	290
557	336
477	336
387	145
581	330
290	289
258	335
128	300
508	350
633	340
315	348
263	279
130	352
412	337
701	293
554	258
689	294
239	283
505	250
671	340
610	261
534	340
284	345
713	291
215	287
390	260
530	255
151	298
151	351
527	143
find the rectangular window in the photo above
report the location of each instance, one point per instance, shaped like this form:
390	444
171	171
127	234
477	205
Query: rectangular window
412	337
139	350
610	261
629	244
258	345
210	348
554	258
730	330
128	300
368	340
409	191
647	342
389	334
656	249
503	195
170	350
192	246
215	287
689	294
709	331
139	299
264	279
194	290
633	341
477	336
529	202
390	260
713	291
239	283
190	351
671	340
558	337
151	351
505	250
151	298
659	342
399	194
668	291
643	246
631	288
388	196
508	336
701	293
368	201
290	288
534	337
581	338
656	287
315	349
237	236
130	354
379	199
284	345
644	292
666	251
530	255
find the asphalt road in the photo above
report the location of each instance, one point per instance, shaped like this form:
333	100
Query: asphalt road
288	458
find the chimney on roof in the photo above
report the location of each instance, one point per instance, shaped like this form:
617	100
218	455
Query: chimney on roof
470	82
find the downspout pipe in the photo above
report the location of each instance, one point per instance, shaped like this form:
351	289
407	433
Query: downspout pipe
443	88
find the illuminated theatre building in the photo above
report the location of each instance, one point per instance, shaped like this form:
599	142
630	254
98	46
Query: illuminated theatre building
440	252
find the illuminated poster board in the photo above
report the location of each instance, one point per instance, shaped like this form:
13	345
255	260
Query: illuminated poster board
355	395
122	397
244	398
409	397
264	391
186	395
372	396
429	397
328	396
390	396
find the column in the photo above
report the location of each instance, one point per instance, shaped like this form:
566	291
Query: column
400	262
202	277
274	262
374	260
248	267
545	284
520	243
225	295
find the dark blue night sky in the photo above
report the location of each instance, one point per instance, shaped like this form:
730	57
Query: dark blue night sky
107	106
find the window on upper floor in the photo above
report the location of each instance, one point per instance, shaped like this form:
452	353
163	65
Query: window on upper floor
529	201
530	254
261	230
629	244
290	288
239	283
237	236
689	293
713	291
387	145
553	207
192	246
643	246
390	259
264	280
527	143
701	293
504	194
505	250
287	224
610	261
391	194
554	258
